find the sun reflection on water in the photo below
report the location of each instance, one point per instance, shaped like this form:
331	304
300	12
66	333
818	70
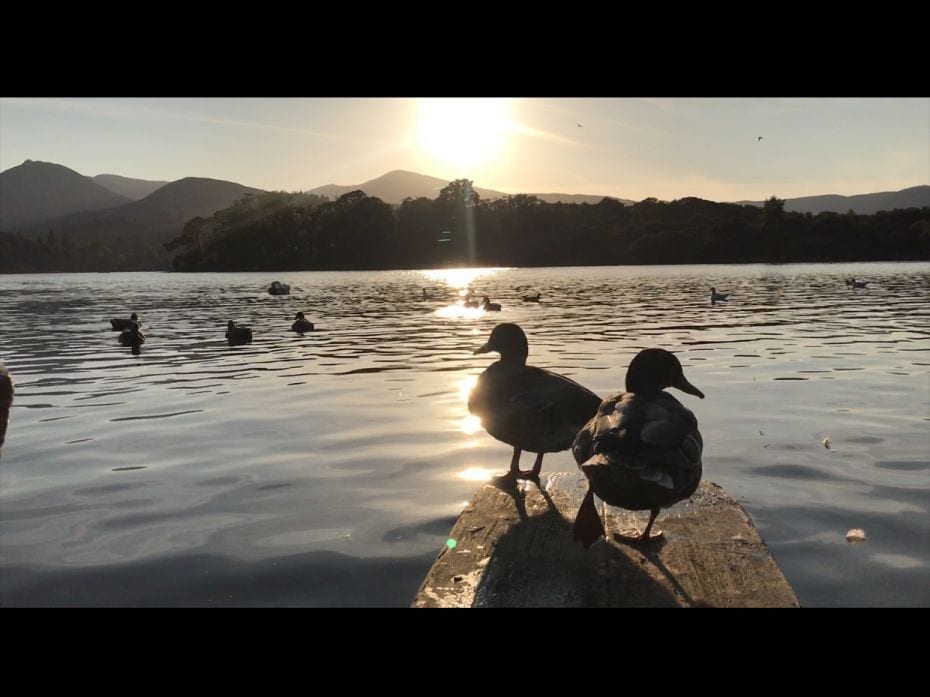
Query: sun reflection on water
460	278
470	424
475	474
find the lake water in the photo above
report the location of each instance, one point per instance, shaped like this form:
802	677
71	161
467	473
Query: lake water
327	469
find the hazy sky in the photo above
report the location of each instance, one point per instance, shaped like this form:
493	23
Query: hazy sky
631	148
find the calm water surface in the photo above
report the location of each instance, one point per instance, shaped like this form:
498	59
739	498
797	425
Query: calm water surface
327	469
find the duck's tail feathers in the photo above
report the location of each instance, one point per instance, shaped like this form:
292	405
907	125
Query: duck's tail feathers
588	527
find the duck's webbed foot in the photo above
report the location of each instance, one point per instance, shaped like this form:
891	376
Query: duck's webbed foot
641	539
646	536
506	481
531	475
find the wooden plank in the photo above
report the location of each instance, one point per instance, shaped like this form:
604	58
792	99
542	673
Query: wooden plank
515	549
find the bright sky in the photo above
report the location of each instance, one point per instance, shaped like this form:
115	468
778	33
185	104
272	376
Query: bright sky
626	147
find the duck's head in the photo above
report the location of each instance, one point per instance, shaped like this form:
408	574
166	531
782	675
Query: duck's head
299	315
230	325
134	317
652	370
713	290
509	341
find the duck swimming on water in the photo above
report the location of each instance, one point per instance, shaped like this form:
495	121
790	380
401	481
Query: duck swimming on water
488	306
642	451
131	336
715	296
120	324
527	407
302	324
236	336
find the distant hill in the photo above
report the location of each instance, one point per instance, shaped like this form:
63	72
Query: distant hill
865	204
36	191
399	184
137	230
578	198
133	189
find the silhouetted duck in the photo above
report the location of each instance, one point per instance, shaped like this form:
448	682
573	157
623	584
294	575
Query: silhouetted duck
131	336
302	324
853	283
715	296
120	324
6	399
532	298
278	288
642	451
488	306
237	335
526	407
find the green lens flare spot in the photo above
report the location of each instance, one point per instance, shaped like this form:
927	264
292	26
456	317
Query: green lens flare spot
450	543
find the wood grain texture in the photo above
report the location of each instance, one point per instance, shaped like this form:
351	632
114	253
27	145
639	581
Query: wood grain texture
514	548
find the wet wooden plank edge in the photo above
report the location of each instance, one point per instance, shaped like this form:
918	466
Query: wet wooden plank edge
515	549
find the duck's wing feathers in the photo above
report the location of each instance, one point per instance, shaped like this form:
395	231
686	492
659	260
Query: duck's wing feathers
656	438
531	408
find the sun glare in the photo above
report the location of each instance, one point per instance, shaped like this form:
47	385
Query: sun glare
463	133
459	279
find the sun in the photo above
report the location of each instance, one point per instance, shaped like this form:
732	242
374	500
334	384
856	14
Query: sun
463	133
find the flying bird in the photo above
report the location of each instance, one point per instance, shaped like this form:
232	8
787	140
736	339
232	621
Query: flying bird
760	138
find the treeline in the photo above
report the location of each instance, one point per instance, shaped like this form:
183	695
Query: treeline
288	231
62	253
273	231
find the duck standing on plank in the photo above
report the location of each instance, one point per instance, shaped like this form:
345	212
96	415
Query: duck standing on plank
642	451
526	407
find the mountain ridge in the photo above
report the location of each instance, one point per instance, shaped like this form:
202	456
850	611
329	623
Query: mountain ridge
129	187
36	191
863	204
394	186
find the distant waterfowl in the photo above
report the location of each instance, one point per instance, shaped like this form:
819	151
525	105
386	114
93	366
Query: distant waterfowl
6	400
532	298
488	306
278	288
121	324
470	301
302	324
131	336
426	295
853	283
760	138
527	407
716	297
238	335
642	451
